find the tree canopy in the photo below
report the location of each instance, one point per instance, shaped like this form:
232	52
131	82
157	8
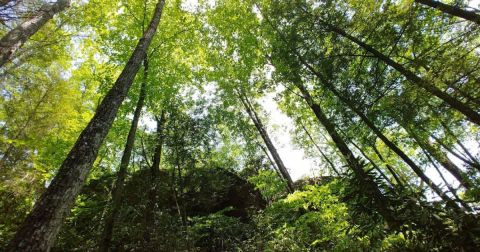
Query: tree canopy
142	125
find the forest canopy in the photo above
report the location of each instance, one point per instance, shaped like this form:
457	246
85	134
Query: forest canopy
152	125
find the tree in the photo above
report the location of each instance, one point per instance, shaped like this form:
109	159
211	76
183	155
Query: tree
39	230
153	181
266	138
452	10
371	188
443	159
14	39
117	191
469	113
332	166
379	134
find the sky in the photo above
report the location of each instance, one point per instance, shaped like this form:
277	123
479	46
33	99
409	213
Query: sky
279	127
475	3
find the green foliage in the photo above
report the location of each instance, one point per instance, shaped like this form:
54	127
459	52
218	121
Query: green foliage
217	232
313	219
214	169
269	184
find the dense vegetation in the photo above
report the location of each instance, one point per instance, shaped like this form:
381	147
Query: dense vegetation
138	125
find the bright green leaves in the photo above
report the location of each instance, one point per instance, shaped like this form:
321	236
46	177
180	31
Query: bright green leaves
219	232
269	184
311	219
199	61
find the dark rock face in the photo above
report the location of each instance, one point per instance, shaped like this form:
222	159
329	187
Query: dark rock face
221	189
199	193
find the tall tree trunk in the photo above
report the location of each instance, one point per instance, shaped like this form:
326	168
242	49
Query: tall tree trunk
153	183
371	189
266	138
117	192
379	134
40	228
14	39
469	113
452	10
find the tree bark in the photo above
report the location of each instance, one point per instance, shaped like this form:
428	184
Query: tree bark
39	230
117	192
266	138
371	189
452	10
14	39
469	113
153	182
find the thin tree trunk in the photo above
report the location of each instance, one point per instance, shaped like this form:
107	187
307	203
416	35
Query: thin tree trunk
270	160
450	188
371	189
117	192
319	149
473	161
389	167
379	133
153	183
375	166
458	155
443	160
469	113
452	10
39	230
14	39
266	138
177	179
453	152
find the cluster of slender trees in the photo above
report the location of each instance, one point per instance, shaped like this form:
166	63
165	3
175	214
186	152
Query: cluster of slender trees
293	27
